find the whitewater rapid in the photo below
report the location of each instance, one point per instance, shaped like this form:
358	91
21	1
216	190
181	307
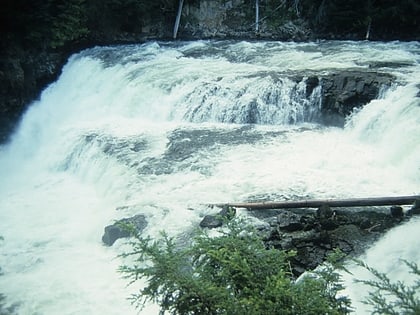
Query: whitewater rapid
163	129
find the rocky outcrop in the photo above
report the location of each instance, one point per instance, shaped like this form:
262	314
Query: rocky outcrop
23	75
313	235
236	19
345	90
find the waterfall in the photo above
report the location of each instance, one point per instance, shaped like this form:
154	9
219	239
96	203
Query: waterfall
258	100
162	129
392	125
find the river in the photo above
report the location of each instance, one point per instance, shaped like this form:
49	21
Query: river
163	129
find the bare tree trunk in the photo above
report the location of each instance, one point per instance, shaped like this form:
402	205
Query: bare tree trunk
368	29
178	18
257	16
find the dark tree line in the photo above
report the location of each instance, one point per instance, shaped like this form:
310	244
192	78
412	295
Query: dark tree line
393	19
54	23
389	19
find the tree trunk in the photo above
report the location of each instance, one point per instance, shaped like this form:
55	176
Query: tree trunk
368	28
257	16
178	18
314	203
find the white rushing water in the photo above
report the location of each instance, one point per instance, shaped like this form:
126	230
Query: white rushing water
162	129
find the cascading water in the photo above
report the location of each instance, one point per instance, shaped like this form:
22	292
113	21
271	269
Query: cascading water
164	128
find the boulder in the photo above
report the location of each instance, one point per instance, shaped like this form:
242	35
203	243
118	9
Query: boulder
117	230
215	221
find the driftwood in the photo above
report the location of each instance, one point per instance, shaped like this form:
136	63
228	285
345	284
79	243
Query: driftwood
315	203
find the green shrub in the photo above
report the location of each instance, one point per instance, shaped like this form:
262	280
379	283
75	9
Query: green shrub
232	273
393	298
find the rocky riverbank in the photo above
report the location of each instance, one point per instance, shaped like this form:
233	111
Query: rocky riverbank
312	233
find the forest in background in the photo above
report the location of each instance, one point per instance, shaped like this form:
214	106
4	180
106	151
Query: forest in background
56	23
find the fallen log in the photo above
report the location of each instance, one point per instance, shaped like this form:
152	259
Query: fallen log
316	203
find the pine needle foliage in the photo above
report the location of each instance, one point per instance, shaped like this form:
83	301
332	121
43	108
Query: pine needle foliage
393	298
229	274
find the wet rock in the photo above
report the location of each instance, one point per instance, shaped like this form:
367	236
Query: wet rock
365	223
343	91
117	230
308	258
329	224
215	221
327	218
415	209
289	221
396	211
316	234
311	83
348	238
211	222
23	74
324	212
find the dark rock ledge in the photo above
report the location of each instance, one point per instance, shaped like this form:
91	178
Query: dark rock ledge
342	91
313	234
